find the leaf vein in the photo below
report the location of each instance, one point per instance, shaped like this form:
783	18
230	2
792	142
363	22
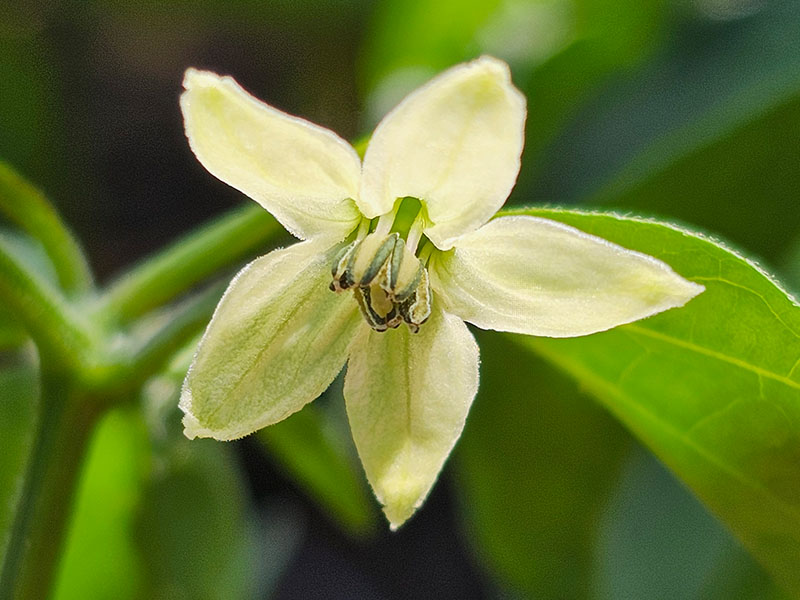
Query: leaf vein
755	293
712	353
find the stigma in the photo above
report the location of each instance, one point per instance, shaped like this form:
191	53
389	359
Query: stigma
388	281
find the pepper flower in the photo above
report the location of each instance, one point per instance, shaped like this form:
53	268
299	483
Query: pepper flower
397	253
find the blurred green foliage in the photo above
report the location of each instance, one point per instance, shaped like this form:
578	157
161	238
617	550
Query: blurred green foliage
19	395
687	110
537	463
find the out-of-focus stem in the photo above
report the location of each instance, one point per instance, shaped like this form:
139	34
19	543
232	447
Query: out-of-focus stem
27	207
47	316
64	427
174	270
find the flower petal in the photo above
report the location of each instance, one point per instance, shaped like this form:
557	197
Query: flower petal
539	277
305	175
454	143
276	341
407	398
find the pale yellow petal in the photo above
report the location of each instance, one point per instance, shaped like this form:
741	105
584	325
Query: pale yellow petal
536	276
276	341
407	399
455	144
303	174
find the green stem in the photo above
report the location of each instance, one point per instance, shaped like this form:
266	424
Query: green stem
187	262
43	311
180	326
64	427
26	206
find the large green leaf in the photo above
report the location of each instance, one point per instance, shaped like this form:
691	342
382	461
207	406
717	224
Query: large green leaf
537	464
712	388
556	506
19	399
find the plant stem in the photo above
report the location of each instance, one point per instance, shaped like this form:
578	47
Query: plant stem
26	206
64	427
180	325
187	262
44	312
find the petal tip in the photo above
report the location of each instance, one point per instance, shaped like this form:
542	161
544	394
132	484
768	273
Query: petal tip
399	513
493	65
191	427
197	77
689	290
401	497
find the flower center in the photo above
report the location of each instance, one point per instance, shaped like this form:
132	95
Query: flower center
389	282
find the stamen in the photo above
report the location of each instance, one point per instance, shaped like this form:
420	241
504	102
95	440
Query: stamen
389	282
384	225
363	229
415	233
425	254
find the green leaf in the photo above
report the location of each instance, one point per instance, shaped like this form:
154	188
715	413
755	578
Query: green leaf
443	31
537	464
712	388
743	185
19	399
12	333
559	50
100	559
192	530
605	37
162	517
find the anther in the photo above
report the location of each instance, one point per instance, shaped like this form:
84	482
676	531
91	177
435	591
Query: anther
390	284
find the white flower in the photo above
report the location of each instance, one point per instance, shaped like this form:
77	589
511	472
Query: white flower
406	244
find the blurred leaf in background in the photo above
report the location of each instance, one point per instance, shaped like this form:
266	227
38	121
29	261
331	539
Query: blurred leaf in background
537	464
314	446
100	558
706	131
657	541
559	51
166	518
